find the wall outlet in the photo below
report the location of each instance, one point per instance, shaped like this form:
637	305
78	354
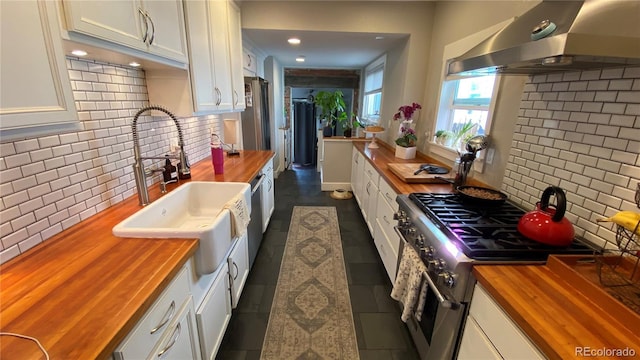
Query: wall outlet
173	145
490	153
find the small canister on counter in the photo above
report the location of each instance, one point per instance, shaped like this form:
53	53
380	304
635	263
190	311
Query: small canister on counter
217	154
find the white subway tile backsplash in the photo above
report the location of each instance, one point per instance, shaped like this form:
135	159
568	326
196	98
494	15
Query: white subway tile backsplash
101	151
598	159
45	211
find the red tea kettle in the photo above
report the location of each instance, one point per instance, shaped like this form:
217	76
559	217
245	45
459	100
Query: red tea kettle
546	224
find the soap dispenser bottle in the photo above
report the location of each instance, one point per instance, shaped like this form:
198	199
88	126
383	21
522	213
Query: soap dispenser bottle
170	173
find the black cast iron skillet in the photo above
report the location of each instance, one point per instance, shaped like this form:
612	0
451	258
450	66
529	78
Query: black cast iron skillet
478	200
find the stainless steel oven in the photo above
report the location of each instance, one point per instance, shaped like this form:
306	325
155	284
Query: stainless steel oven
450	236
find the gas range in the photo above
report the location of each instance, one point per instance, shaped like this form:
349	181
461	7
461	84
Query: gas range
450	236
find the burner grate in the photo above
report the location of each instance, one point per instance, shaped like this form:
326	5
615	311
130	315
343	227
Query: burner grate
486	232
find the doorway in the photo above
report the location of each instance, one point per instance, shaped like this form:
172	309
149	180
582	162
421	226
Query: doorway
305	148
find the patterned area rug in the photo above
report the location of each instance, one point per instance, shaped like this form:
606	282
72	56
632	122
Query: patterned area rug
311	313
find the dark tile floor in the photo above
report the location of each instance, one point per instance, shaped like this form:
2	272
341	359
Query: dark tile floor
380	332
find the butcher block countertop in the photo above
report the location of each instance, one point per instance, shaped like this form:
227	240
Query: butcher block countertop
82	291
559	310
385	154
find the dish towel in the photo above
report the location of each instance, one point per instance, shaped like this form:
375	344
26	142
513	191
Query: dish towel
409	288
240	215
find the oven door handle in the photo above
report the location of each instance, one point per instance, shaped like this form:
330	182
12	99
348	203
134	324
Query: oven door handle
432	285
441	299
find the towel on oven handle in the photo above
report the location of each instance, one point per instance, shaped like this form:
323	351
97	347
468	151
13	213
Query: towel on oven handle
409	288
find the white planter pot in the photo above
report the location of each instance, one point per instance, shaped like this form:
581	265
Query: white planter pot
405	153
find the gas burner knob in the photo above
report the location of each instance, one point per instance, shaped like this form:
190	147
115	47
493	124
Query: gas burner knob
448	278
429	251
400	215
420	240
412	230
438	265
403	223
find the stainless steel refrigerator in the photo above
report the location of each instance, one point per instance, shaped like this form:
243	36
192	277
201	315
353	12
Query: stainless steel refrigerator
256	124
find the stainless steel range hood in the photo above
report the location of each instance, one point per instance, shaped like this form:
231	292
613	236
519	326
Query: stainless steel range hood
587	35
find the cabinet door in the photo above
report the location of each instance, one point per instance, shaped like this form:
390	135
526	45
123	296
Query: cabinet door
238	268
220	48
372	204
354	170
268	195
118	21
475	345
213	314
37	75
181	339
168	31
235	48
359	190
201	57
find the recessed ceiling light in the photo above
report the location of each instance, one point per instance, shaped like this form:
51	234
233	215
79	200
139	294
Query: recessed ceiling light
79	53
134	64
300	58
294	41
379	37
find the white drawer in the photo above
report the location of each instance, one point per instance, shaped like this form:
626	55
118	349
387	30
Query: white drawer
505	335
385	218
389	195
371	172
142	339
387	249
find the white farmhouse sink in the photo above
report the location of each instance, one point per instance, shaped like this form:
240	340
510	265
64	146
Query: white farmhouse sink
193	210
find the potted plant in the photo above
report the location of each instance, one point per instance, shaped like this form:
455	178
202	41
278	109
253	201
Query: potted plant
406	142
331	109
442	136
462	133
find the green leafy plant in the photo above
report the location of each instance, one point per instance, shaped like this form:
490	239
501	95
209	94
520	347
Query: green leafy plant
331	105
462	133
407	137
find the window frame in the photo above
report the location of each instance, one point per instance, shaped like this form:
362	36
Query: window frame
377	65
445	115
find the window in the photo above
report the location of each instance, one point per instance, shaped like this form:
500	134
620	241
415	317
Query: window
465	104
373	78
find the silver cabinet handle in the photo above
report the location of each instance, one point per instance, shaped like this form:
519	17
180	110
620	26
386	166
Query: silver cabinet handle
174	338
153	28
384	217
388	196
237	270
167	316
146	25
219	95
236	97
249	62
368	185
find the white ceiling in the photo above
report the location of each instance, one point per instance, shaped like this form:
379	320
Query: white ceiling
323	49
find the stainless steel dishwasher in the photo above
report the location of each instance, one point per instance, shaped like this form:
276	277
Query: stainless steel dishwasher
254	230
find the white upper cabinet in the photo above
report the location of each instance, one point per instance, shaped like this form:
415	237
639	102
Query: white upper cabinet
235	48
156	27
36	90
210	66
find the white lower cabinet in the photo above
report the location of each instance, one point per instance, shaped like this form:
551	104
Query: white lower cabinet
181	339
214	314
267	195
386	240
238	263
489	333
170	319
357	174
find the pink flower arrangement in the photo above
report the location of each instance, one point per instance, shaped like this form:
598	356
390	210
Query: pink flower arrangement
406	111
